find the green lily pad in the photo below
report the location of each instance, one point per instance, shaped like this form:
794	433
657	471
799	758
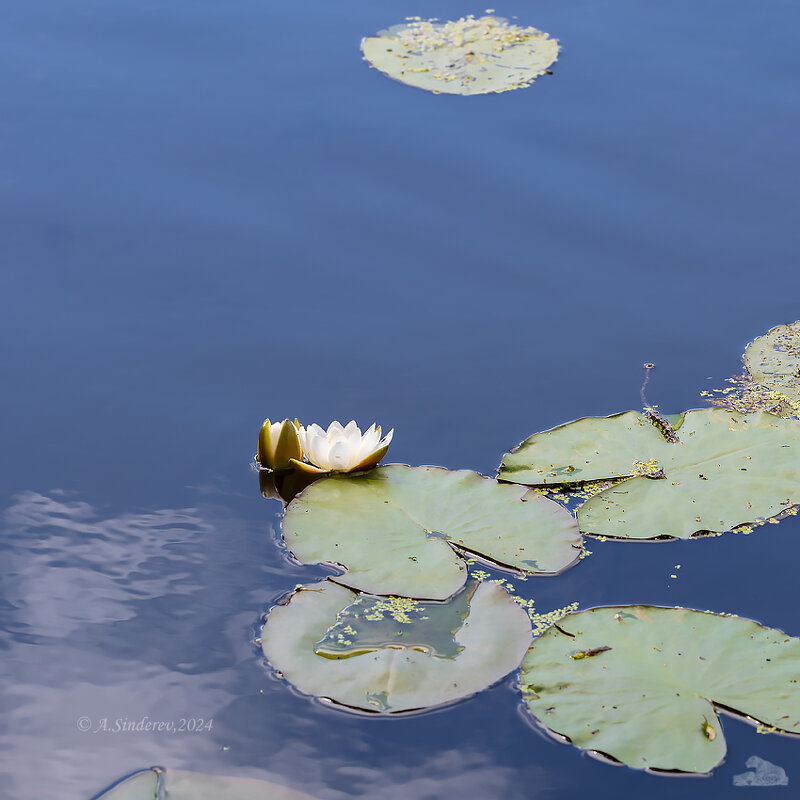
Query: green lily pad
772	380
177	784
773	360
643	684
726	470
400	530
408	673
467	56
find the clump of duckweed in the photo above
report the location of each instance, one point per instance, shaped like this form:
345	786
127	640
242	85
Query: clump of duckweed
765	728
398	608
747	396
540	621
647	469
573	495
345	636
421	35
403	610
483	576
790	511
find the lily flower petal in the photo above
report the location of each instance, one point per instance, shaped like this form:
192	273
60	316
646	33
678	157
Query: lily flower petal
265	449
343	448
334	428
371	460
309	468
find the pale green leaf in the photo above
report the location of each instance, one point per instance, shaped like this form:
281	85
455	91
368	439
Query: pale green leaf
642	684
726	470
773	360
412	671
401	530
467	56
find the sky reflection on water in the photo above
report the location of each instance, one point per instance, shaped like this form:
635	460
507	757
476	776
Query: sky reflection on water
200	227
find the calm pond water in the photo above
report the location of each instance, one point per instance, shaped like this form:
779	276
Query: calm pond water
215	211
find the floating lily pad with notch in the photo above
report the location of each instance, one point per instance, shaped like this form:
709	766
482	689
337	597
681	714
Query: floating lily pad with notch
643	684
466	56
402	530
331	642
725	470
773	360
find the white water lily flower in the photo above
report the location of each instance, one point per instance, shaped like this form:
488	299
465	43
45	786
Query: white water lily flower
279	444
342	449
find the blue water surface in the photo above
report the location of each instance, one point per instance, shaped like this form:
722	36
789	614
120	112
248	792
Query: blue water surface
212	212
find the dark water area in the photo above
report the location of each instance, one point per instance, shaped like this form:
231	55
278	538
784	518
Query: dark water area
212	212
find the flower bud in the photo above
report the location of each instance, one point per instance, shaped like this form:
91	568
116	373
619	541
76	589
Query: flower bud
278	444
